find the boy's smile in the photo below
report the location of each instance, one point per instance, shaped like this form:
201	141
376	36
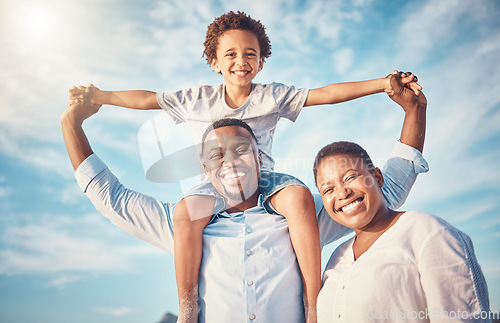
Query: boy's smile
238	59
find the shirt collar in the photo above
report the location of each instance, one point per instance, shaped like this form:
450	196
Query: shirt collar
224	214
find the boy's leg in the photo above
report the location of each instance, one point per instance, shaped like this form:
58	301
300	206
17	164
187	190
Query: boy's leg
296	204
191	215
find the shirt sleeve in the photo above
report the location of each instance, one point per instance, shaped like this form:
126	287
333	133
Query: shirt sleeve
142	216
176	104
451	277
329	230
400	173
290	100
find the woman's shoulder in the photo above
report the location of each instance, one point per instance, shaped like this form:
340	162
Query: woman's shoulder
430	225
423	219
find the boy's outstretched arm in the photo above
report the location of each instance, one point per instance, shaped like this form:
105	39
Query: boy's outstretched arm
342	92
136	99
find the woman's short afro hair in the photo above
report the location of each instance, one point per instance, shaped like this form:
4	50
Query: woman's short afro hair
342	148
234	21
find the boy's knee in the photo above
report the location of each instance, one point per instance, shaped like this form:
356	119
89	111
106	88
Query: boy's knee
292	198
193	208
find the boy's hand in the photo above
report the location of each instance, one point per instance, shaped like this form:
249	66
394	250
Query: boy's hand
85	93
408	79
79	109
403	94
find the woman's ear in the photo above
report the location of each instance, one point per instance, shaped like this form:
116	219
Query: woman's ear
377	173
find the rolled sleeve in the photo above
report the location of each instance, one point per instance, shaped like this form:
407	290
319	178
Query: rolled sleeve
140	215
400	173
87	170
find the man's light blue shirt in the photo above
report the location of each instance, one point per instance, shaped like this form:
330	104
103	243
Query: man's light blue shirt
249	270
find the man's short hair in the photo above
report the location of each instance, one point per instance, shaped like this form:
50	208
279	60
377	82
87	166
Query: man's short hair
342	148
234	21
226	122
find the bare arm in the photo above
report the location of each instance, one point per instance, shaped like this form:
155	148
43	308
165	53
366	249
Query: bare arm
76	141
137	99
342	92
415	107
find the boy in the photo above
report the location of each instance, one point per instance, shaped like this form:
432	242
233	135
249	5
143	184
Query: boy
236	46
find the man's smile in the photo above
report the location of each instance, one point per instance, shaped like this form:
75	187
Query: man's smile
232	175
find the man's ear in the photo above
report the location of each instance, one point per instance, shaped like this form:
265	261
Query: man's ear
205	169
215	65
377	173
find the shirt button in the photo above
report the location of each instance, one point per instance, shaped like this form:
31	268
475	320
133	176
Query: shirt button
250	283
252	317
343	287
248	252
249	230
339	316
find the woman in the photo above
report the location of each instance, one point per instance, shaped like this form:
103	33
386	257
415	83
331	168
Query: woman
400	266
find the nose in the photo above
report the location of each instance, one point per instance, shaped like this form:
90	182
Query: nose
241	61
343	192
229	157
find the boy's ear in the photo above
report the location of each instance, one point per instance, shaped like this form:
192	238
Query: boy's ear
215	65
261	63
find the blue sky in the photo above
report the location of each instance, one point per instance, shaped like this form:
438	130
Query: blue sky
61	261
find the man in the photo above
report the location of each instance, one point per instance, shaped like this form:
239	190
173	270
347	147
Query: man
249	269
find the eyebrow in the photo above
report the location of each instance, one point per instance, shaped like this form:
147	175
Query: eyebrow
347	171
232	49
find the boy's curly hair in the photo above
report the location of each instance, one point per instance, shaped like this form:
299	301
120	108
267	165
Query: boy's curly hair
234	21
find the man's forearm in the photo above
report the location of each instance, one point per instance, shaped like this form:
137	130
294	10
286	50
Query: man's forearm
137	99
76	141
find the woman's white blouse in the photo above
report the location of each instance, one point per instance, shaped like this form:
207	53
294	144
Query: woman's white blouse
421	269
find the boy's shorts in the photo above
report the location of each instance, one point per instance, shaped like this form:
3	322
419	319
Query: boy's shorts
270	183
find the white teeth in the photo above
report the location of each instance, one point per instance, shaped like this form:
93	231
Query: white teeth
233	175
350	206
240	73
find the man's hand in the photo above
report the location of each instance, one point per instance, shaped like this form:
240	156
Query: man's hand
403	93
79	105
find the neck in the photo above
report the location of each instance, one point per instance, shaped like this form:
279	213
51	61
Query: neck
380	223
245	205
236	96
365	237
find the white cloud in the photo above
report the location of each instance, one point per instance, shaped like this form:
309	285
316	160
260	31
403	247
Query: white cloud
4	191
62	280
343	59
429	24
69	245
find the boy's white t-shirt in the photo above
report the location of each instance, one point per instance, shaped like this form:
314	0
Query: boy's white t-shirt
200	106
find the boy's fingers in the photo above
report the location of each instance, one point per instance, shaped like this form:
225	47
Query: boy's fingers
415	88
